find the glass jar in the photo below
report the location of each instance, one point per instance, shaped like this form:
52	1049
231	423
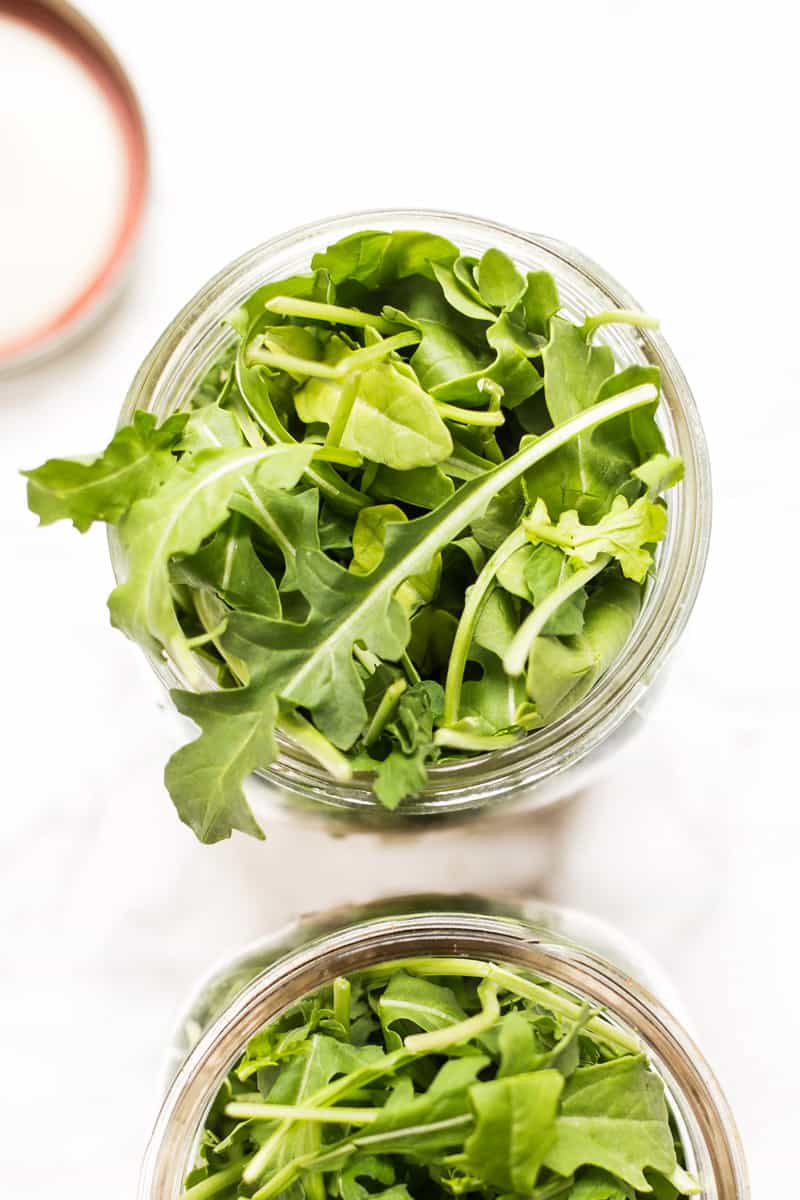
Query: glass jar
579	953
558	760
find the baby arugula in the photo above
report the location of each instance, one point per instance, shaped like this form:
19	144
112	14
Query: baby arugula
408	516
441	1077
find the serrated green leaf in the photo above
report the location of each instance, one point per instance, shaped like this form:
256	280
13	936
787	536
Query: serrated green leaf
515	1128
187	509
136	462
623	533
614	1116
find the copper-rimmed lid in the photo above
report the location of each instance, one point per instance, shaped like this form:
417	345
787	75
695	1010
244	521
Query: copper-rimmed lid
74	176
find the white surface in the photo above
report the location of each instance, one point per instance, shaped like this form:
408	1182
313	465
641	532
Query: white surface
64	174
661	139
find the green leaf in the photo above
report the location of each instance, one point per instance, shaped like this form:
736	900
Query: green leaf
515	1127
394	422
403	772
575	477
289	519
186	510
519	1052
562	670
659	473
390	420
136	462
546	568
409	1000
205	778
368	548
598	1185
432	633
614	1116
623	533
499	281
422	487
256	385
450	345
509	369
209	428
493	700
374	258
229	564
468	302
539	302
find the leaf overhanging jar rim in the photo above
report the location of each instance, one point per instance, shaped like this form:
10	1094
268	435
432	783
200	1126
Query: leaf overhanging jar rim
695	1095
488	777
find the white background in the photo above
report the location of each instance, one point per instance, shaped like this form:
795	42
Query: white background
662	140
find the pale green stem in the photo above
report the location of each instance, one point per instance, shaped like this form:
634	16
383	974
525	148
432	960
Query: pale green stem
522	643
410	670
209	607
462	470
347	398
360	359
338	1154
356	361
291	363
333	314
339	456
461	1031
341	1002
218	1182
316	745
302	1112
476	597
619	316
202	639
248	426
469	416
383	712
510	981
481	743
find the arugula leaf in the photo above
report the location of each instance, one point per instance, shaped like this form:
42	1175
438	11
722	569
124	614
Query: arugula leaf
404	770
539	302
374	258
394	422
499	282
561	671
135	463
204	778
189	507
422	487
229	564
515	1127
623	533
614	1116
289	519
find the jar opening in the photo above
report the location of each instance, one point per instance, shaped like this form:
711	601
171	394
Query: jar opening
699	1110
197	337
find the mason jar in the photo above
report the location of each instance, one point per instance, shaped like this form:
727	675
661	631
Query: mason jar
582	955
560	759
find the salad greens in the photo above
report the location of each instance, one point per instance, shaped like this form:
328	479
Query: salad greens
407	516
438	1077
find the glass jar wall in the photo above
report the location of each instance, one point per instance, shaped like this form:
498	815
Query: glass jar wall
552	762
581	955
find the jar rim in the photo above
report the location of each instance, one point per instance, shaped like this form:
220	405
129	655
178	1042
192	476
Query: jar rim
481	779
696	1099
